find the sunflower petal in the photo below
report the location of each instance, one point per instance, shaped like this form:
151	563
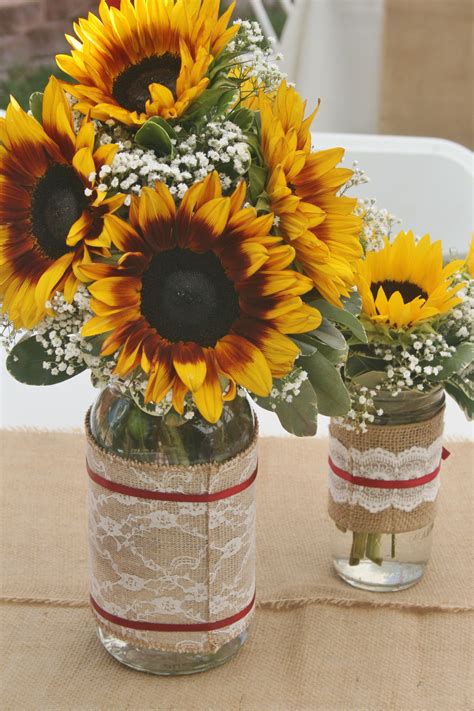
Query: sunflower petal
208	397
245	363
190	364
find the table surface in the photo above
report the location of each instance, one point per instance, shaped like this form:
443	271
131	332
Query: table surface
315	643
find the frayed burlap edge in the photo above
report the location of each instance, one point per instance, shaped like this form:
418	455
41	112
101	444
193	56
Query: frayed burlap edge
396	438
393	438
205	478
357	519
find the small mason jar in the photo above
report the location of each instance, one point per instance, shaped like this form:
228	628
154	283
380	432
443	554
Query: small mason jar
164	549
383	486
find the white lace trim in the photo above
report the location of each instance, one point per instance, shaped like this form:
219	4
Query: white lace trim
179	562
384	465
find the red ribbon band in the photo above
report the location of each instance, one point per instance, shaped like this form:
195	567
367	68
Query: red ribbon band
168	627
168	496
384	483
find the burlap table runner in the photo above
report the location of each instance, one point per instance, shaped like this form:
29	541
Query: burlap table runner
316	643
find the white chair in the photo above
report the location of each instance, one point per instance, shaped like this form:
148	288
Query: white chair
261	13
332	50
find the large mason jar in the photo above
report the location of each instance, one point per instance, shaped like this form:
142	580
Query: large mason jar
172	533
383	486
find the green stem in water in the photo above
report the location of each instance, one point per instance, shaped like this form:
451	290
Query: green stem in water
373	548
359	542
393	546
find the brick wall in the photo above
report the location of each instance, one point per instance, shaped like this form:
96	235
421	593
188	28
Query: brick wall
32	31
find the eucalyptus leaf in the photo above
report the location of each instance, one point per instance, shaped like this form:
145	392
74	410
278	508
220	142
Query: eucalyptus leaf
459	361
243	118
25	364
159	121
153	135
333	398
221	92
223	64
334	356
462	399
359	363
371	379
263	203
306	345
226	98
36	106
257	181
330	335
342	317
353	304
465	382
254	145
299	417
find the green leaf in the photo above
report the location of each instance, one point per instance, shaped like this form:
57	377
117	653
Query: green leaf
371	379
254	145
329	334
155	136
333	398
353	304
36	105
299	417
459	361
25	364
227	98
263	203
343	318
334	356
306	345
223	64
465	402
243	118
359	363
219	95
257	181
159	121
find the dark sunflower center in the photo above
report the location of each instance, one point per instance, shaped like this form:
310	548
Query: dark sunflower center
407	289
58	201
130	88
188	297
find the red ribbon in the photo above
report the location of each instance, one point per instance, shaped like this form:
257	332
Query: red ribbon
384	483
167	627
165	496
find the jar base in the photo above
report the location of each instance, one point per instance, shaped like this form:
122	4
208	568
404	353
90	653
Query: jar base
154	661
391	576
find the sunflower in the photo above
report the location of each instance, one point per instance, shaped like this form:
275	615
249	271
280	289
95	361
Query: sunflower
145	59
201	298
405	283
303	191
51	214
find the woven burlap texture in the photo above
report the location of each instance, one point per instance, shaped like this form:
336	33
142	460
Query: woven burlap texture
397	438
172	562
316	643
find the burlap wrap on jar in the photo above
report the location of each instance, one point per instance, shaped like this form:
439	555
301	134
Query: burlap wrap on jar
172	549
387	479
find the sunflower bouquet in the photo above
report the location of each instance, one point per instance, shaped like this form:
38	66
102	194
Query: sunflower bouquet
417	313
385	454
167	224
